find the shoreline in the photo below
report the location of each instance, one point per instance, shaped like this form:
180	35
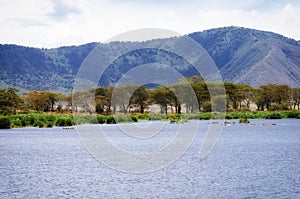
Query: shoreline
45	120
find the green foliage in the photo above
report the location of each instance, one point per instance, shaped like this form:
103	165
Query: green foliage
158	117
110	120
133	118
4	122
205	116
10	101
140	98
292	114
244	120
191	116
42	100
66	120
274	115
143	117
101	119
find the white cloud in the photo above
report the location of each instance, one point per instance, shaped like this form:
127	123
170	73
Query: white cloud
51	23
61	10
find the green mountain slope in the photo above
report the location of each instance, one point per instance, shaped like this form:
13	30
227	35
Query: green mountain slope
242	55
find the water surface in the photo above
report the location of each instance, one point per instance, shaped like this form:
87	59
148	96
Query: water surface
249	161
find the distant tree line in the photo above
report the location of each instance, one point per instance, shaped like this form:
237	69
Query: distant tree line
137	98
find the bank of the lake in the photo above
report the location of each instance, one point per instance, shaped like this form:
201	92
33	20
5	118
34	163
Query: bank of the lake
49	120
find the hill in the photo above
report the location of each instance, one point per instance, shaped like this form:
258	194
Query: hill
242	55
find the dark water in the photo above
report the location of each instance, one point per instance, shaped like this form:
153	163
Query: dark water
249	161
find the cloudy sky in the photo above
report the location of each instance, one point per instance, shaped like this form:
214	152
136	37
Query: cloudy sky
52	23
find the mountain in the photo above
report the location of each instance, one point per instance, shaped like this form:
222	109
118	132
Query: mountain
251	56
242	55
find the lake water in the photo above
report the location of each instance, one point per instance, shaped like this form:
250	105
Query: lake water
249	161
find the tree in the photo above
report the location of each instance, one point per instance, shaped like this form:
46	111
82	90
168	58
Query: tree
295	97
247	95
10	101
53	97
121	97
234	95
37	100
203	97
102	100
42	100
139	98
273	97
164	97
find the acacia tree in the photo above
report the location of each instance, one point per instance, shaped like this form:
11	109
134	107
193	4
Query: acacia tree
295	97
102	100
139	98
10	101
247	95
53	97
164	97
121	97
273	97
203	97
42	100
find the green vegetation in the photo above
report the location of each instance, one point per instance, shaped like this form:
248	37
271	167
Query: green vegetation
49	120
231	48
4	122
244	121
129	103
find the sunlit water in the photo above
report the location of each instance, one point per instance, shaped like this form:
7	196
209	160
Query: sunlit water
249	161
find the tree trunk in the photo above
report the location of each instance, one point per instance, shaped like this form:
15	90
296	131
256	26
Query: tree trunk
142	109
179	109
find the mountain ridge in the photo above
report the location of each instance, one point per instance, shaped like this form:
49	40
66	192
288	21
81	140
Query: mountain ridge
242	55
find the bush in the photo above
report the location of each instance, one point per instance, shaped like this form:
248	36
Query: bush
191	116
292	114
101	119
29	120
174	117
134	118
4	122
65	121
158	117
16	121
273	115
205	116
122	118
143	117
110	119
244	120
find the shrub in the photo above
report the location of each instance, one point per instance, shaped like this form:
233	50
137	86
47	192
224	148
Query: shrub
4	122
110	119
29	120
16	121
134	118
122	118
292	114
205	116
65	121
174	117
191	116
143	117
244	120
273	115
158	117
101	119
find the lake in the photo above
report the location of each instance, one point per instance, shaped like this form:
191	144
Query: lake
261	160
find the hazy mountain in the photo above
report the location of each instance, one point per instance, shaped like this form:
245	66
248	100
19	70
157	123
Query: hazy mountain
242	55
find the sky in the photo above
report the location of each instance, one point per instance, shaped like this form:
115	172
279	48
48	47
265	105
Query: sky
54	23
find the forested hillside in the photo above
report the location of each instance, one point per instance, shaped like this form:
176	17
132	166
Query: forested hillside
243	56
